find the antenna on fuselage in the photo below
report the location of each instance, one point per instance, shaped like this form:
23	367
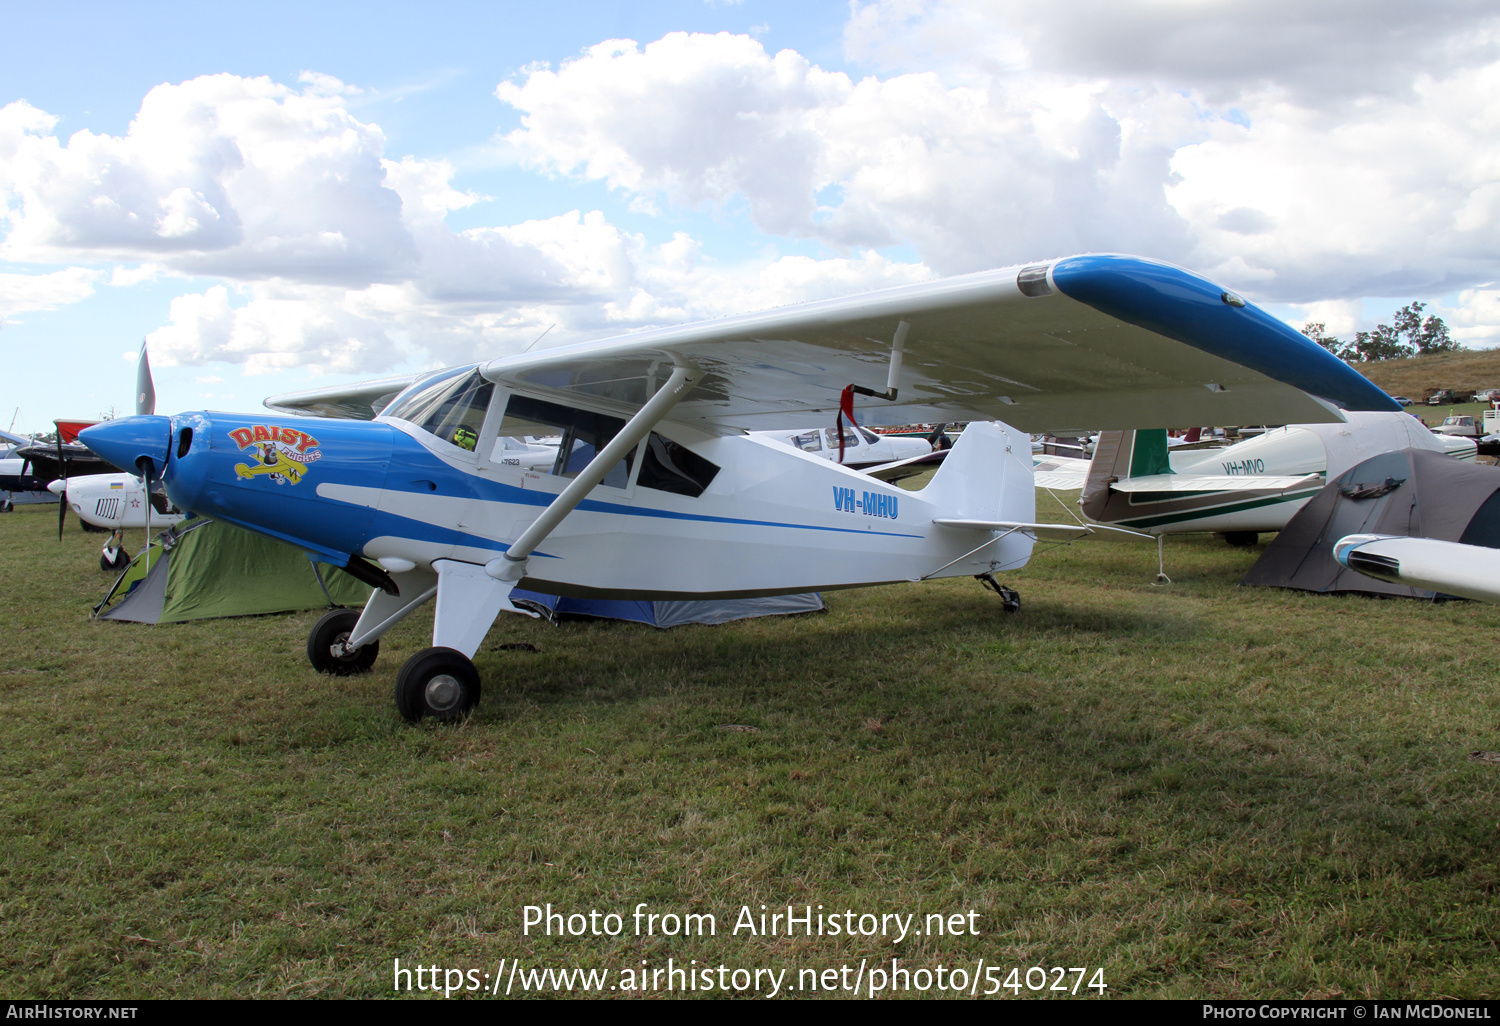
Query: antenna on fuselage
539	337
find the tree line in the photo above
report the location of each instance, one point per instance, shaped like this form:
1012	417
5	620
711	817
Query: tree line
1408	335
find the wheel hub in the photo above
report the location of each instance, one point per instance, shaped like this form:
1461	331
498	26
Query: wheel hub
443	693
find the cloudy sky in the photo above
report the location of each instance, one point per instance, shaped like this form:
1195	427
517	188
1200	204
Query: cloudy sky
283	195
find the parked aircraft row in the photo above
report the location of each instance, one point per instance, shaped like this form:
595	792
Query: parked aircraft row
663	486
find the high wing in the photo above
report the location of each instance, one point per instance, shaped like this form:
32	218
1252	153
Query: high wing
362	401
1101	341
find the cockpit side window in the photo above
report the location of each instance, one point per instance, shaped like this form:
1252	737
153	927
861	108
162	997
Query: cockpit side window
667	466
583	432
832	435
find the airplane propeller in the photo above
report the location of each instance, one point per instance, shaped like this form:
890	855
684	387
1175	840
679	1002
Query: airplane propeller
145	391
62	496
145	404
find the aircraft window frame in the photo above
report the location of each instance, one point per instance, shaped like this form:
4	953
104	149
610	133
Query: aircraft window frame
851	438
814	436
578	427
667	465
870	437
453	409
403	401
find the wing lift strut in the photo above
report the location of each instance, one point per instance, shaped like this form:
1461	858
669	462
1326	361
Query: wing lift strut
892	380
441	681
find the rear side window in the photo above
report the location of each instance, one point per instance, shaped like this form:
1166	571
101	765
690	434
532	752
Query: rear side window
669	467
809	442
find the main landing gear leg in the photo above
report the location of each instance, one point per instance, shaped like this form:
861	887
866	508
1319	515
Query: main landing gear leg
346	641
441	681
1010	598
113	556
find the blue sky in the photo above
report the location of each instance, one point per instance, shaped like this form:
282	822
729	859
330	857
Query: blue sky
738	155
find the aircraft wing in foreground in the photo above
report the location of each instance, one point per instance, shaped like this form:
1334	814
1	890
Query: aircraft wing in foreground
659	491
1450	568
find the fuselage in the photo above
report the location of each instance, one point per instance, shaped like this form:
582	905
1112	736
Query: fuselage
114	501
690	515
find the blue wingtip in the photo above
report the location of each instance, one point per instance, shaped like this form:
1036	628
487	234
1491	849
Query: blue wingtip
1193	310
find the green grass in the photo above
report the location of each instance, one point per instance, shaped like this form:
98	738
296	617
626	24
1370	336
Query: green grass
1205	790
1471	369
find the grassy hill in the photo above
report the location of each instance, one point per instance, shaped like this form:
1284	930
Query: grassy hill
1471	370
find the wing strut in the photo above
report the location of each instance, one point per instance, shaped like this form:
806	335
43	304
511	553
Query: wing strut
892	380
511	567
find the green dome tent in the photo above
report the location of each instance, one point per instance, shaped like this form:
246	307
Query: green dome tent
203	568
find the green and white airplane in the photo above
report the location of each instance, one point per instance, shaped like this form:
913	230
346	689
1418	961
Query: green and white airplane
1245	489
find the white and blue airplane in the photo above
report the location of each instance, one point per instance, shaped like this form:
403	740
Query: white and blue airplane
661	490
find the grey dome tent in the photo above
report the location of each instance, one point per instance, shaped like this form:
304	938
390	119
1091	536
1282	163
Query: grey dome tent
1411	493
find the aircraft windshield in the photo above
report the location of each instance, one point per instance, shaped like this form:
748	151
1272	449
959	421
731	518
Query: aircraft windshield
452	407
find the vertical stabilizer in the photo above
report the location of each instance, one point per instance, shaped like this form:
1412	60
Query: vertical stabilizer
987	476
1119	455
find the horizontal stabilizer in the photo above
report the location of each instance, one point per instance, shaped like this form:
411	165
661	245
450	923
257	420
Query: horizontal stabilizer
1041	532
901	469
1215	483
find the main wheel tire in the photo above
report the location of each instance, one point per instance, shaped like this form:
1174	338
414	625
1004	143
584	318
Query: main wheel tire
332	629
437	682
1241	539
120	561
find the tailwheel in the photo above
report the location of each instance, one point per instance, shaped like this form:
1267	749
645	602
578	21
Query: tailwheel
327	645
437	682
1010	598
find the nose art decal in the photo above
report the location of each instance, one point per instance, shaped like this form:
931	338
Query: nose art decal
283	453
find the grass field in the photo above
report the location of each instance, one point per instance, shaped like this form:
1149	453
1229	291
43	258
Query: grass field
1203	790
1472	370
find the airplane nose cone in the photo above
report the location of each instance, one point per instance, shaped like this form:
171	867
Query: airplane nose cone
126	441
57	487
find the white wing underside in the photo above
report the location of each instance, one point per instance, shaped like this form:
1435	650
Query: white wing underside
1062	473
976	349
